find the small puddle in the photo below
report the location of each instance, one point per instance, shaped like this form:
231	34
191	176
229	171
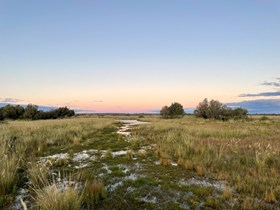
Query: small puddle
124	130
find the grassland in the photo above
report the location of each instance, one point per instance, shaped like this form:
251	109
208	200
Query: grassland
187	163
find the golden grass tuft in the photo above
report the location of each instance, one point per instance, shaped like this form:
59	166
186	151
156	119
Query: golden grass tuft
8	173
165	161
94	191
180	161
129	154
200	170
38	175
52	197
270	196
227	194
188	165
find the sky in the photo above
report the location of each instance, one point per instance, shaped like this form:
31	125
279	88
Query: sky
139	55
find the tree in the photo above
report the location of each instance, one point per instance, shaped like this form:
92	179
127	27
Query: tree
216	110
62	112
202	110
175	110
30	111
1	115
164	112
240	113
19	111
9	112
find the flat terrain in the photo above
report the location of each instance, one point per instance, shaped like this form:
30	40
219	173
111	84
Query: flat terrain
105	163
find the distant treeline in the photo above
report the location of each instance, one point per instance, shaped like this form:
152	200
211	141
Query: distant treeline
31	112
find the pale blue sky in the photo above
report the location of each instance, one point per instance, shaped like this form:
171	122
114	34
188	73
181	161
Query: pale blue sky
136	55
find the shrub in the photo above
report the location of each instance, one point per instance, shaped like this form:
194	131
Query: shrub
216	110
173	111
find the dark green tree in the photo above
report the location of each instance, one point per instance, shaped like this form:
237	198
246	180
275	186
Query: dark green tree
173	111
19	111
9	112
216	110
1	115
202	110
30	112
176	110
164	112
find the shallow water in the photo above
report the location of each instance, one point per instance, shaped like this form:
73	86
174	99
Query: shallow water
124	130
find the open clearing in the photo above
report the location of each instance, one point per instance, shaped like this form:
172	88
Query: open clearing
185	163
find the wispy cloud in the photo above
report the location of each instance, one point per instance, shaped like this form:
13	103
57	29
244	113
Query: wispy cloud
260	106
266	94
10	100
97	101
273	84
70	103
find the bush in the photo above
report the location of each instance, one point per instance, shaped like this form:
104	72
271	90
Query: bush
30	112
216	110
1	115
10	112
173	111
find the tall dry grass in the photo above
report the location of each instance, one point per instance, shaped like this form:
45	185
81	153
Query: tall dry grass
224	150
54	198
24	141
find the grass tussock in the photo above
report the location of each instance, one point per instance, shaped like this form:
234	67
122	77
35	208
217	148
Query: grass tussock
243	153
94	192
22	142
54	198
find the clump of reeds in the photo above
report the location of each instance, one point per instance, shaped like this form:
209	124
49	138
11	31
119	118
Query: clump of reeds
94	191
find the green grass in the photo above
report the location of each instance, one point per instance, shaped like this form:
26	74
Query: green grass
242	154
